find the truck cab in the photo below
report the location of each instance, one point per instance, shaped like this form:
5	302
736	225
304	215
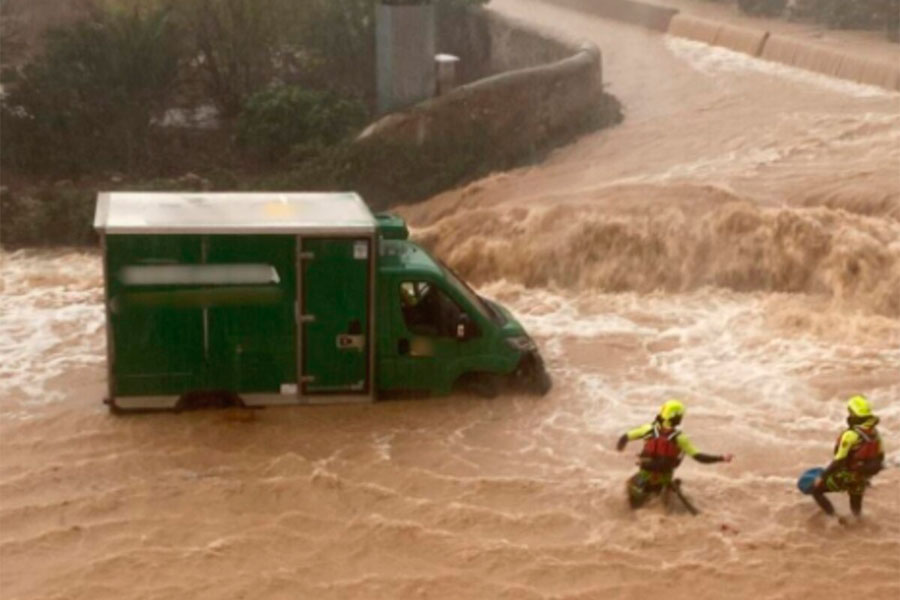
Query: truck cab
436	332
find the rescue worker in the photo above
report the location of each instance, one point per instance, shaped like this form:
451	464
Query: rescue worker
858	456
664	447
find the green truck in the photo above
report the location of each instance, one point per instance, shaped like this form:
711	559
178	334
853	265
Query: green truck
289	298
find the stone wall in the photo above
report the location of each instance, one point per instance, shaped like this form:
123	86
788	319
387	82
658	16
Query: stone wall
831	61
404	50
544	85
488	44
739	39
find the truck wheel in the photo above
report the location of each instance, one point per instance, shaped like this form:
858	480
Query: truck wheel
483	385
541	383
532	376
206	399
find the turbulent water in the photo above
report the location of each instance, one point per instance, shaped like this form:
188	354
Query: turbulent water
735	243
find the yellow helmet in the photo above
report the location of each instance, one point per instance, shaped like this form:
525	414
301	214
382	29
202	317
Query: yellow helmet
672	410
858	406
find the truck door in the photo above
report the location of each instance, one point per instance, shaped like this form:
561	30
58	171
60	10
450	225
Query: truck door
250	334
157	343
424	334
336	294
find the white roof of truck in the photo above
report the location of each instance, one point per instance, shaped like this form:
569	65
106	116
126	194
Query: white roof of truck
232	212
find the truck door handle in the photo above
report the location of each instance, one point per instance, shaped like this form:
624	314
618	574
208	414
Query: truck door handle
403	346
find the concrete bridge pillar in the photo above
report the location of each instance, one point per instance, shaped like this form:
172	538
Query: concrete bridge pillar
405	47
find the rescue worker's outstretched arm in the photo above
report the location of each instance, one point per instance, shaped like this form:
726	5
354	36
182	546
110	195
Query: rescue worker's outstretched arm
633	434
688	448
682	440
712	458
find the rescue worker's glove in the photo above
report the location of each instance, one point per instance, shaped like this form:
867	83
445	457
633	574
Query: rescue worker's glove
620	445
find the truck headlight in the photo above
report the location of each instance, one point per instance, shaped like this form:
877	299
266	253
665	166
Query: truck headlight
523	343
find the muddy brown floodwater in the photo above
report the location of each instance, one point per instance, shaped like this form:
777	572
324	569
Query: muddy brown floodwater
735	243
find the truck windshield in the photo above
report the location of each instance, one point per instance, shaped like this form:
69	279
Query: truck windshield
474	299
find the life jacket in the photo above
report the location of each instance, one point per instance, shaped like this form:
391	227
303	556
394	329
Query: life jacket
865	456
661	452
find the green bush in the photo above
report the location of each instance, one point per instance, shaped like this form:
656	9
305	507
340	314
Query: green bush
283	119
239	44
47	217
892	20
842	14
88	102
763	8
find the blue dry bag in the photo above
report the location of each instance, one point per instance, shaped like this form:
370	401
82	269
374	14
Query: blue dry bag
806	481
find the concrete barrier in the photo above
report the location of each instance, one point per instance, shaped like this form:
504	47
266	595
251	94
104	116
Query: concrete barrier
742	39
695	28
510	111
634	12
488	43
831	61
870	72
739	39
818	59
781	49
493	121
852	67
541	84
515	45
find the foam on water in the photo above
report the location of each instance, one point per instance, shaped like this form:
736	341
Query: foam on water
698	236
714	60
511	487
51	321
750	265
865	138
716	349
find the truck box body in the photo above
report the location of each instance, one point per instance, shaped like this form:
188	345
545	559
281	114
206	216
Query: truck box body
283	299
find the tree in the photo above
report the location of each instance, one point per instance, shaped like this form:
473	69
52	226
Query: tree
89	100
283	118
237	43
859	14
892	19
12	34
338	41
243	46
766	8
